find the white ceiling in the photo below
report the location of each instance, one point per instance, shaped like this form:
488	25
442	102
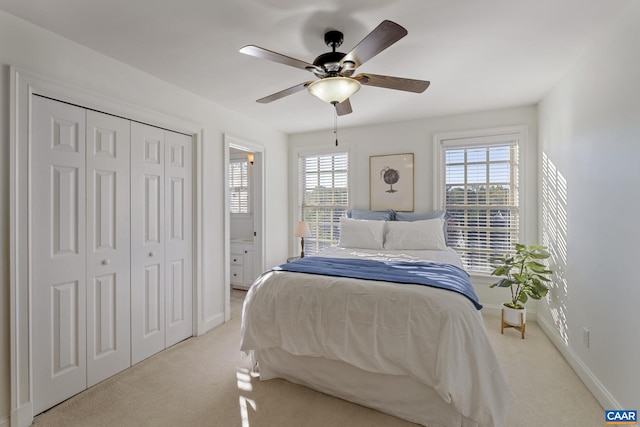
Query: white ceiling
478	54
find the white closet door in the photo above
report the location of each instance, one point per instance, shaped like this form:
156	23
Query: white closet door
58	257
108	246
147	242
178	232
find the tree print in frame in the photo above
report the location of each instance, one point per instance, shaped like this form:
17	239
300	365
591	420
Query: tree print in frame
391	182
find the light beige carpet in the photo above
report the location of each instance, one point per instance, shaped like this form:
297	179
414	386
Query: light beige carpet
202	382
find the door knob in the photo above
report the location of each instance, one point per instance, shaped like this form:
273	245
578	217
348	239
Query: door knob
106	261
152	253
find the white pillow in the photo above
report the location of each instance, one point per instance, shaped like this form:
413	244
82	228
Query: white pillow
360	233
425	234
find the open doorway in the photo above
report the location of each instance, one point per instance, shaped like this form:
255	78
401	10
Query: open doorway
244	214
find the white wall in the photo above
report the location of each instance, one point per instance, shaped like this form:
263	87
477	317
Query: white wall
590	143
418	137
241	227
33	49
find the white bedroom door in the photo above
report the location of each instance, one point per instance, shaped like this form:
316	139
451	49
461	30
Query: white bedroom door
111	263
147	241
161	239
179	237
57	239
108	246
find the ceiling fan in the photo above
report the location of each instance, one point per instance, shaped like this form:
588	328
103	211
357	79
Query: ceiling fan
334	70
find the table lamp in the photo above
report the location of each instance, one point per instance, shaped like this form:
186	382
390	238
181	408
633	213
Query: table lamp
302	231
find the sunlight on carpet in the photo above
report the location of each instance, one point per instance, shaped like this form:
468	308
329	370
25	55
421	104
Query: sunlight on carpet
244	376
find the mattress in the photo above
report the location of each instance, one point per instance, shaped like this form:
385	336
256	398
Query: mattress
432	336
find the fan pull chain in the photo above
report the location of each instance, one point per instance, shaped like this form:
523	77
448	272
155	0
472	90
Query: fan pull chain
335	123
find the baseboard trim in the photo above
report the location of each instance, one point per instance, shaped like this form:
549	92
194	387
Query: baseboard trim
4	422
21	417
599	391
212	322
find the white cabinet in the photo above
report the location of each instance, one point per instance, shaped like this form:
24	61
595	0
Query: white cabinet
248	265
237	264
242	264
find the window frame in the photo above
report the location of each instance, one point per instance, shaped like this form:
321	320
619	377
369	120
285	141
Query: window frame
481	138
299	153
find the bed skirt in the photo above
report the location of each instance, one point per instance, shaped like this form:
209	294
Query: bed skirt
400	396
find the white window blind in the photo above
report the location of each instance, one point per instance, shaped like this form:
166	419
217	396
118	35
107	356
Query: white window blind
239	186
323	197
481	196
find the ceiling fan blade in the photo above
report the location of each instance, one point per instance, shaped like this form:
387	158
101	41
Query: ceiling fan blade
344	107
283	93
383	36
260	52
398	83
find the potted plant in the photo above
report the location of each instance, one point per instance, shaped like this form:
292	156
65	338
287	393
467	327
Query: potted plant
526	276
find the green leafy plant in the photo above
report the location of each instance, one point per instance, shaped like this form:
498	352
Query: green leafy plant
523	273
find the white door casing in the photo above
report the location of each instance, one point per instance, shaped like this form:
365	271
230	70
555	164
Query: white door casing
259	199
57	242
108	246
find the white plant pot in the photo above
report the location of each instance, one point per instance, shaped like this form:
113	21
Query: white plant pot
512	316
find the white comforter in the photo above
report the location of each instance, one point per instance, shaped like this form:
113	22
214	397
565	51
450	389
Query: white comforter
433	335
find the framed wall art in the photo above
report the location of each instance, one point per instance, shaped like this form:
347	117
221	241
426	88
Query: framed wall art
391	182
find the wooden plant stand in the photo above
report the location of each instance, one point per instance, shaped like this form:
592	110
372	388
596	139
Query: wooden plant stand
520	328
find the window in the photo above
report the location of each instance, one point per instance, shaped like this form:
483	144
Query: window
480	191
323	197
239	186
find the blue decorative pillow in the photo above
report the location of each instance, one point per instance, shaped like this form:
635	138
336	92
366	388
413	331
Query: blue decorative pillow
411	216
371	215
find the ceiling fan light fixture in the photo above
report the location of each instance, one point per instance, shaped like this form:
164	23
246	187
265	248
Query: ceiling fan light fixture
334	90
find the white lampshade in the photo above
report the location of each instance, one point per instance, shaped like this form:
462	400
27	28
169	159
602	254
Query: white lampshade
302	229
334	89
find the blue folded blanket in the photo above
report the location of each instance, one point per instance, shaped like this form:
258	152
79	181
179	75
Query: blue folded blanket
438	275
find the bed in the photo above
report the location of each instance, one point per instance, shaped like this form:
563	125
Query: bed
417	352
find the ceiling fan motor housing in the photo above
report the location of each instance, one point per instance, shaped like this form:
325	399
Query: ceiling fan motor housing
329	61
